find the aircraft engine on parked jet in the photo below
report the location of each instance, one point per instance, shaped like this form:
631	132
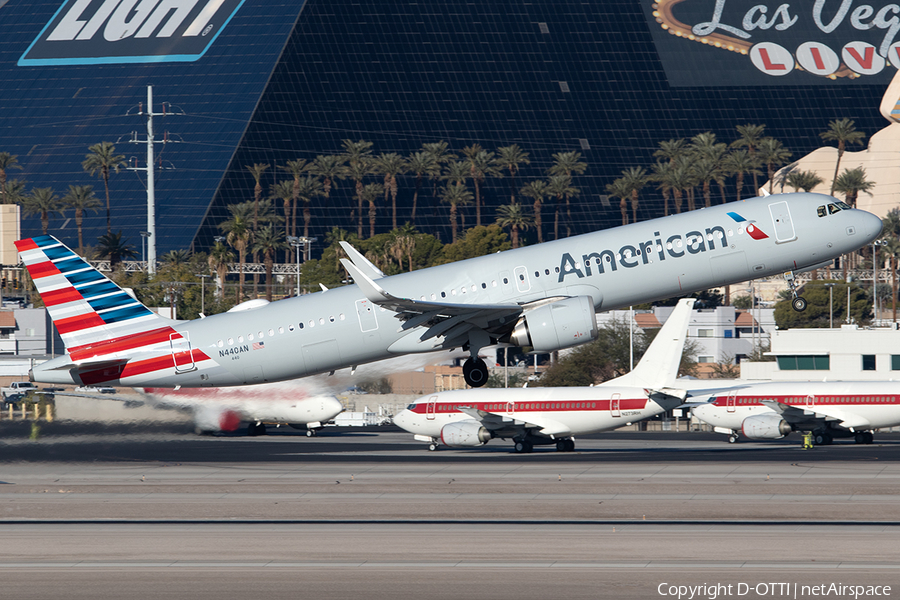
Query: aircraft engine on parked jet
765	427
215	418
561	324
464	433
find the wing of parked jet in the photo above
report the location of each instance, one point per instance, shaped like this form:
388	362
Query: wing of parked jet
796	415
511	427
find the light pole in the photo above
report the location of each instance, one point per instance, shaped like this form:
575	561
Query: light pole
830	287
875	245
144	236
296	242
203	279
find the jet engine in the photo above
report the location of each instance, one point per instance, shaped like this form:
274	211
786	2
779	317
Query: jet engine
214	418
765	427
464	433
561	324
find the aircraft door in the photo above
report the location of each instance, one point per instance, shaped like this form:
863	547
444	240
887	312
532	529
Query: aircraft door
182	355
523	284
365	310
430	408
781	220
810	401
510	408
730	402
615	405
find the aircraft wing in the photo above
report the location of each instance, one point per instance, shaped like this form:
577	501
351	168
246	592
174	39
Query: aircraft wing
444	319
495	422
799	414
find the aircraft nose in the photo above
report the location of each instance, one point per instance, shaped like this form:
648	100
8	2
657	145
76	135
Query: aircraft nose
333	405
700	411
872	226
402	419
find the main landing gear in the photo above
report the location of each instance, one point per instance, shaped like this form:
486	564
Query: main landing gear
864	437
567	445
256	428
523	446
733	438
475	371
797	303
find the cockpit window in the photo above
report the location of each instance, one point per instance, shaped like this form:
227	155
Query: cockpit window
833	208
821	211
411	407
843	205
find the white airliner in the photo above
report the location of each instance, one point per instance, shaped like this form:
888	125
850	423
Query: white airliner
547	415
543	296
770	411
225	408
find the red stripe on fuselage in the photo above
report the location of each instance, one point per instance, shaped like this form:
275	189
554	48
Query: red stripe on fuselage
121	344
23	245
42	269
801	401
79	322
162	362
61	296
501	407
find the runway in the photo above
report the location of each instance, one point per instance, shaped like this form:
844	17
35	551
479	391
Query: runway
157	512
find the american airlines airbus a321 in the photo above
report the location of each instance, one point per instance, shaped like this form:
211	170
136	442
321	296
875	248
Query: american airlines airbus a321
543	296
547	415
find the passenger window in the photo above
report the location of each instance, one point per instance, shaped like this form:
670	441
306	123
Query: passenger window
249	336
230	341
300	325
271	332
484	286
261	335
291	327
240	339
220	343
443	294
505	281
537	273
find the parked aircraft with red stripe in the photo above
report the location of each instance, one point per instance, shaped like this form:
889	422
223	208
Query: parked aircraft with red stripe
829	409
543	296
547	415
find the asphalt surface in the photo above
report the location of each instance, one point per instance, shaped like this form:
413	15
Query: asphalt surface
154	511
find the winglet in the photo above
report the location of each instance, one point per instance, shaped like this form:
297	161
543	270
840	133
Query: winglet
370	289
659	365
361	262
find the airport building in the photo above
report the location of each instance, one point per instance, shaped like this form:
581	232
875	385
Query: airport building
243	82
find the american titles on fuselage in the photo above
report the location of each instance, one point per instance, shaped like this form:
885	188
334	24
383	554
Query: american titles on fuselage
630	256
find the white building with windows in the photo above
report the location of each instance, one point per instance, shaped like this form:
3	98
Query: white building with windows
848	353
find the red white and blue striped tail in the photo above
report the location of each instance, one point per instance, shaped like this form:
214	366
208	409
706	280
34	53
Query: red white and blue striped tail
85	306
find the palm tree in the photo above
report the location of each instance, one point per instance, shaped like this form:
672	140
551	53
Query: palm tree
239	231
537	190
661	176
14	191
309	188
772	154
750	137
358	156
268	241
330	169
803	180
423	165
705	170
176	258
851	182
285	191
41	201
390	165
567	163
455	195
296	169
671	150
440	153
481	165
561	187
516	218
403	245
220	259
739	163
256	170
7	161
509	158
890	238
635	179
113	247
618	189
843	132
678	179
370	193
80	198
102	162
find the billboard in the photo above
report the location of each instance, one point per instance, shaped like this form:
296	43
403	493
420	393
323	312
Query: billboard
750	43
90	32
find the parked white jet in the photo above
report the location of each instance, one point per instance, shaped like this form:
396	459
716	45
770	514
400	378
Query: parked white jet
225	408
547	415
543	296
770	411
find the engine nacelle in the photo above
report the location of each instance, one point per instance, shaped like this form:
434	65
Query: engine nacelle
214	418
562	324
465	434
765	427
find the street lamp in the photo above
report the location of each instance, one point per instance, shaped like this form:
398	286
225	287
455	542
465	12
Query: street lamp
203	279
830	287
296	242
875	245
144	236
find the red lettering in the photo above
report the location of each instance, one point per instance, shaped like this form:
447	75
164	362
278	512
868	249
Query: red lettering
767	63
817	57
865	63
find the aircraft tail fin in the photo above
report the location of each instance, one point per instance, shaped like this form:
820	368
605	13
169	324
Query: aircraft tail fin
85	306
658	367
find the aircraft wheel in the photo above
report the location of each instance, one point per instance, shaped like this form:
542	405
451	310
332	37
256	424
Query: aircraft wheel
524	447
733	438
860	438
432	447
870	437
561	445
570	445
475	372
822	439
310	433
799	304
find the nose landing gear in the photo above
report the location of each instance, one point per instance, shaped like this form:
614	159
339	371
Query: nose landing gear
797	303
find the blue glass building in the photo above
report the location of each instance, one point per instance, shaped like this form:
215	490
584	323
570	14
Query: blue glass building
272	81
